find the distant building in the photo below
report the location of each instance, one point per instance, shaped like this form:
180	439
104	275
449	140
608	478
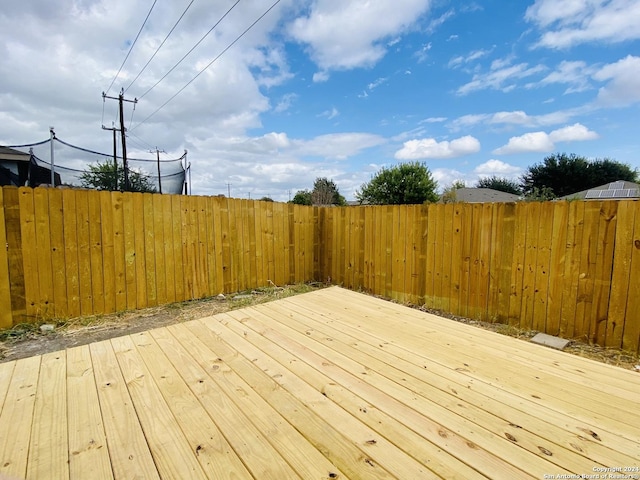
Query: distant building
483	195
19	169
618	190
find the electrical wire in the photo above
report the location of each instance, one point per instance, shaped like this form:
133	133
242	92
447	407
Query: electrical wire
133	110
191	50
210	63
160	46
132	45
147	146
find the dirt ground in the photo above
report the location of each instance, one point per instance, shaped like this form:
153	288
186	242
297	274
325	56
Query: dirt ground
28	340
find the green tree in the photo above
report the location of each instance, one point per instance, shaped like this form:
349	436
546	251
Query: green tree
539	195
501	184
302	197
405	183
325	192
449	193
103	176
266	199
566	174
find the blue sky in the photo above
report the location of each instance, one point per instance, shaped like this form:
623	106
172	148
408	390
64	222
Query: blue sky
331	87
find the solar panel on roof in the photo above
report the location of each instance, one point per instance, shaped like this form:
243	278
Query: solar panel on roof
616	185
614	193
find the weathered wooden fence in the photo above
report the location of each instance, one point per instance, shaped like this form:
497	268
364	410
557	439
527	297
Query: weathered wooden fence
565	268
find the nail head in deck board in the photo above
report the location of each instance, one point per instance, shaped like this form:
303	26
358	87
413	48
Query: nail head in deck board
550	341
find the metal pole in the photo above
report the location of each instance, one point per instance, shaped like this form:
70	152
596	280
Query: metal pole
52	135
122	129
159	179
158	156
115	161
124	143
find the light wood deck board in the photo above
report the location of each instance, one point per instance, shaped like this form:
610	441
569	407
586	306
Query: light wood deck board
516	413
331	384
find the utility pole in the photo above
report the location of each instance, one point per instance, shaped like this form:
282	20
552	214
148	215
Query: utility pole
52	136
229	190
121	101
187	173
158	156
115	155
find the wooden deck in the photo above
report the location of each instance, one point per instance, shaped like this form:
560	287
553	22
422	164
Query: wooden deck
330	384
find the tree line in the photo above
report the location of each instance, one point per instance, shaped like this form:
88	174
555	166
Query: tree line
556	176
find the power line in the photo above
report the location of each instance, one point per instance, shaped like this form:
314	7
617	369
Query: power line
210	63
147	146
192	49
132	45
160	46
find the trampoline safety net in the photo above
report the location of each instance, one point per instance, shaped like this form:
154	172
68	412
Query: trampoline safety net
79	167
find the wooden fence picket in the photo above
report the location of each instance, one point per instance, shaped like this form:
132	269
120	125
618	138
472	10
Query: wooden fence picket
566	268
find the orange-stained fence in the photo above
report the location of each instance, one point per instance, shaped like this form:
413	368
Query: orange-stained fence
565	268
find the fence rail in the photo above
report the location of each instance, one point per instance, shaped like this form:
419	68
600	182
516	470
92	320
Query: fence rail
565	268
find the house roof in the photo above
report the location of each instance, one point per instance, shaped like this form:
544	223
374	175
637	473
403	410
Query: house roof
7	153
484	195
614	191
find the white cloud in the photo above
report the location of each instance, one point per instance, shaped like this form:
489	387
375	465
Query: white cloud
468	121
270	142
516	117
568	23
285	102
321	77
437	22
330	114
337	145
575	74
501	78
623	87
545	142
529	142
345	35
423	53
498	168
446	176
430	148
573	133
470	57
434	120
376	83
